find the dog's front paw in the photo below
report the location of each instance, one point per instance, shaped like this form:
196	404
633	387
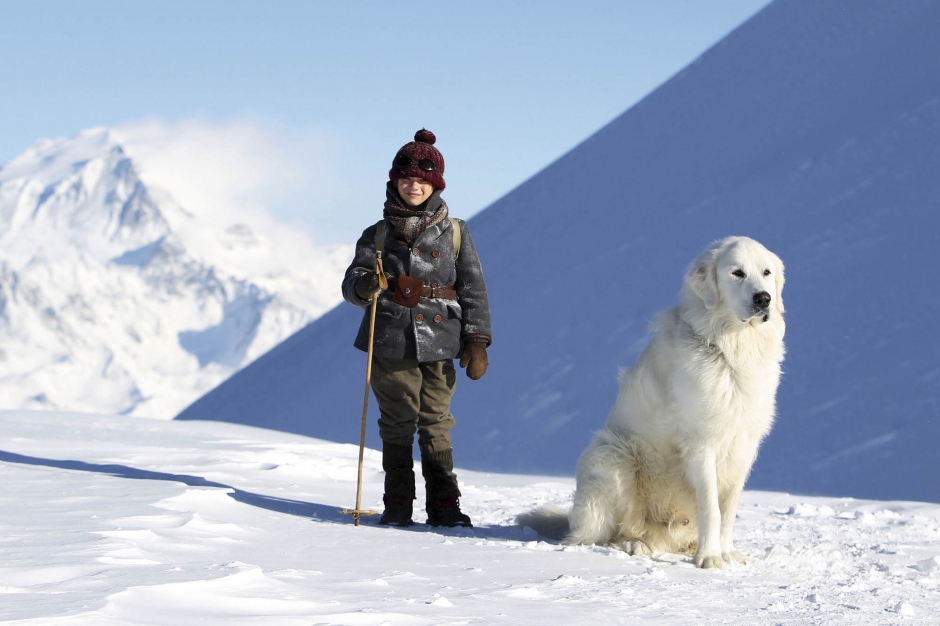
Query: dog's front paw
709	561
734	556
636	547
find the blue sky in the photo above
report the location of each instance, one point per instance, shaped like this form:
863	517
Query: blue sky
316	97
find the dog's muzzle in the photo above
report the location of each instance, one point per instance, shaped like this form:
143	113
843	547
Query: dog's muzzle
761	301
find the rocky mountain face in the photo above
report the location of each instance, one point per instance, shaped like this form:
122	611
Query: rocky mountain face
113	298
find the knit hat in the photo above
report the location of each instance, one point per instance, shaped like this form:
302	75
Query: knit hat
421	148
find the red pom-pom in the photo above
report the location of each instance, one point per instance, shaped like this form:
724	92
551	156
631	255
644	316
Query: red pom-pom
425	136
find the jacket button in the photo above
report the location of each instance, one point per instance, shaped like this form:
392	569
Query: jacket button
434	285
436	253
419	317
415	251
437	319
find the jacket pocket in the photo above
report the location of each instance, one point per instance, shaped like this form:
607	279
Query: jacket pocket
389	308
454	312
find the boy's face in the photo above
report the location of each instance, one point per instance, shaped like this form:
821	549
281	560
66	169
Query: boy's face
414	191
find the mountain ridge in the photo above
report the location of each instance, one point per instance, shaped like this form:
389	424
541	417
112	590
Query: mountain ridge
110	301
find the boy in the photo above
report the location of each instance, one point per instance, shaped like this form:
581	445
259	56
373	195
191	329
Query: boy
435	310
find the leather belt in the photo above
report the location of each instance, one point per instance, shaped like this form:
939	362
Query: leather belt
447	293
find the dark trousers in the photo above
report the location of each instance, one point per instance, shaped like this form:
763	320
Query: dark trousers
414	396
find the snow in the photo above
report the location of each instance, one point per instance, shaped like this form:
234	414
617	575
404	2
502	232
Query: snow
116	520
812	128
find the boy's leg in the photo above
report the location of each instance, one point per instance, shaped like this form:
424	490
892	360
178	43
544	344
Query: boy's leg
397	387
438	381
437	462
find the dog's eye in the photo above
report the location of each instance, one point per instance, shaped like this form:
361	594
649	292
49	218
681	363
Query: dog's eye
766	272
739	273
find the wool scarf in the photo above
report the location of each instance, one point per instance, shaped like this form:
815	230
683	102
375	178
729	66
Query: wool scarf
411	222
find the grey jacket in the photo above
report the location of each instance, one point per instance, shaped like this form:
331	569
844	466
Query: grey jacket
437	328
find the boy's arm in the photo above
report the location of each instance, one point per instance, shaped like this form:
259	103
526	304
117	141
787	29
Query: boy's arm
471	291
363	263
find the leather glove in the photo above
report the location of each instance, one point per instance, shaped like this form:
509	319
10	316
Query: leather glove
367	286
474	359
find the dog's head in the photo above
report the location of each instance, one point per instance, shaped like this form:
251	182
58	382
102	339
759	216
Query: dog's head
741	276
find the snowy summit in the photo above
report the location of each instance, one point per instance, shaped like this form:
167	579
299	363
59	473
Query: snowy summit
114	298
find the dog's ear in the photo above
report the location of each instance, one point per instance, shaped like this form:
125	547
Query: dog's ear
778	282
702	278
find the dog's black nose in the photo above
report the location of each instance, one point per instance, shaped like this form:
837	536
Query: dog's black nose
762	299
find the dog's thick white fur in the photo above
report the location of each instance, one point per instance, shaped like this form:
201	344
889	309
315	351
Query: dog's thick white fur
666	472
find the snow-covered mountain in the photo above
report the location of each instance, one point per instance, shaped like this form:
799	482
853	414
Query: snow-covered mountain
113	298
813	128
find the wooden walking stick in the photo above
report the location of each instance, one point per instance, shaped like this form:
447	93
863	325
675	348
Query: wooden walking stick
383	284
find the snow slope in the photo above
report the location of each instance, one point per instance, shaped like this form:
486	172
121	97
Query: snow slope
113	298
813	128
111	520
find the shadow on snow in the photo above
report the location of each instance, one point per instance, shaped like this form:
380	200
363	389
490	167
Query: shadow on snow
312	510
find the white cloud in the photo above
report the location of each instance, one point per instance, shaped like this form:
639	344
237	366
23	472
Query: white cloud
223	171
238	171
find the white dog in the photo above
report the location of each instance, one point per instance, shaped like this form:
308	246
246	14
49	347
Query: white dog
667	471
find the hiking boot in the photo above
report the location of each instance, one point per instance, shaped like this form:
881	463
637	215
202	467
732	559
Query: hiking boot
398	510
443	495
399	485
447	513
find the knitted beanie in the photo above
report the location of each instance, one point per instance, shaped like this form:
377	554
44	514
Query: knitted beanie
421	148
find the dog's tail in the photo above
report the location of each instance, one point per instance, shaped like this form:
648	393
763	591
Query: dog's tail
549	521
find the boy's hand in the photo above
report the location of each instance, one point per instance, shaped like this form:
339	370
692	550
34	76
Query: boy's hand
367	286
474	359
